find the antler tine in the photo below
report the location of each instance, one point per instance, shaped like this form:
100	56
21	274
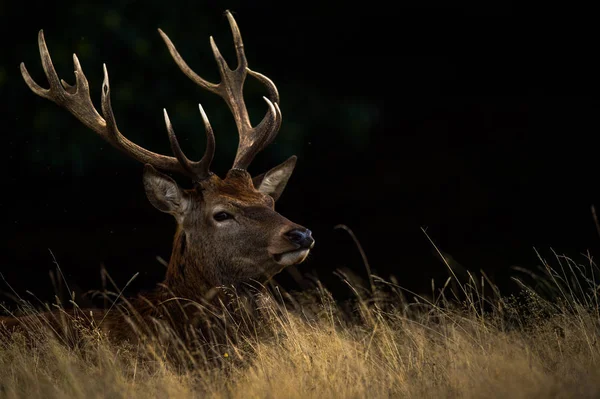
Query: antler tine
205	84
252	139
271	88
197	170
209	152
258	138
237	41
76	99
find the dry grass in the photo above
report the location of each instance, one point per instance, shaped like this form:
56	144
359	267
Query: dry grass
462	343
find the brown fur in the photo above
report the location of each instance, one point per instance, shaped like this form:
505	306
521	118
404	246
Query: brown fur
228	232
208	260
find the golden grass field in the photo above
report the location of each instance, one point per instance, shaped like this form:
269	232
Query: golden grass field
466	341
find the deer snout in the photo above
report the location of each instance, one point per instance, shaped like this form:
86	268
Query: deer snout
301	237
302	241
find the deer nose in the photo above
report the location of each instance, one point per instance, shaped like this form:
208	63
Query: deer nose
301	237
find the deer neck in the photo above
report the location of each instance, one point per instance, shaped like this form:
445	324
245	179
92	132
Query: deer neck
189	274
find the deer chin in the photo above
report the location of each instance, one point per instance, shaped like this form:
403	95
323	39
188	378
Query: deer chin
291	257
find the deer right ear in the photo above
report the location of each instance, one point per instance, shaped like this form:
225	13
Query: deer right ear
163	192
273	182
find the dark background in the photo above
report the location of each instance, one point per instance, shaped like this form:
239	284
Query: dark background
476	123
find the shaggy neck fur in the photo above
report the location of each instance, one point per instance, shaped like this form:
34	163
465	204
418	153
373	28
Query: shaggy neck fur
187	275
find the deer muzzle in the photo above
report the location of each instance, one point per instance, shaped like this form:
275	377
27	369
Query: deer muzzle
302	239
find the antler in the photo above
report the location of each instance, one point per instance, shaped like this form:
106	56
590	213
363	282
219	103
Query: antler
252	139
76	99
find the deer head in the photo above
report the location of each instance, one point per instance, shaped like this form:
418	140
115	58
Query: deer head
228	231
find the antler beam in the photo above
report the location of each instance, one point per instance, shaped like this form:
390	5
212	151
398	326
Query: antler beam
76	99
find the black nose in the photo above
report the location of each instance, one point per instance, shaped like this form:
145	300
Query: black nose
301	237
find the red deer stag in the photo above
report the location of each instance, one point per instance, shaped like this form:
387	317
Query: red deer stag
228	232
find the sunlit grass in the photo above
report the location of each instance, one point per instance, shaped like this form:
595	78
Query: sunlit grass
465	340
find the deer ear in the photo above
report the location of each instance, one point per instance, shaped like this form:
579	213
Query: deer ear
273	182
163	192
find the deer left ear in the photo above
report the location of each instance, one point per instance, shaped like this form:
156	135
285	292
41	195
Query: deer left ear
163	192
273	182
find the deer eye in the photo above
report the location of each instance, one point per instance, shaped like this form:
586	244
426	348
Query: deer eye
221	216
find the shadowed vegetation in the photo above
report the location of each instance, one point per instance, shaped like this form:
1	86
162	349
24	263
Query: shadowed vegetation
467	340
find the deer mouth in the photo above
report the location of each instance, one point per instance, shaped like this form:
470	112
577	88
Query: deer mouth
291	257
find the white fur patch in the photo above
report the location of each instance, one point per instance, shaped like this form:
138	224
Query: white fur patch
293	257
271	181
171	194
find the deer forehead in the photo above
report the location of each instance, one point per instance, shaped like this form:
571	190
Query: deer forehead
237	191
240	200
